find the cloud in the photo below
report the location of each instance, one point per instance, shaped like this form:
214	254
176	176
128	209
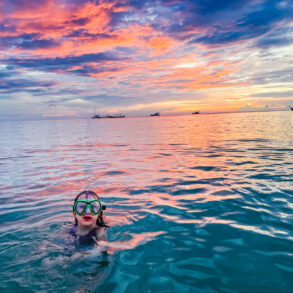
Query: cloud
5	74
228	37
131	53
278	41
249	108
279	94
16	85
64	64
273	76
277	38
203	21
27	41
222	22
267	13
111	100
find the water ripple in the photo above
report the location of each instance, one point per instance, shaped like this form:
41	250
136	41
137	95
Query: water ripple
193	205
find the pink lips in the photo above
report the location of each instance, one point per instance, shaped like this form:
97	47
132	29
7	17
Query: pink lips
86	218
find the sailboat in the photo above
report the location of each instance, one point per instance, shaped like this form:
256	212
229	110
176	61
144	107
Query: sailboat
96	115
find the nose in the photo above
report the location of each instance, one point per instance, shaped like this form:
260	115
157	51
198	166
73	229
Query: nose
88	210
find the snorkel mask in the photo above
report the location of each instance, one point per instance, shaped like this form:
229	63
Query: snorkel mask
81	206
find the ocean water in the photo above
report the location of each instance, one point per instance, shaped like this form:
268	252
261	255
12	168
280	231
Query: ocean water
197	203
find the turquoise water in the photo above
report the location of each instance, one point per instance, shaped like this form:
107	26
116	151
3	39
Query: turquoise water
197	203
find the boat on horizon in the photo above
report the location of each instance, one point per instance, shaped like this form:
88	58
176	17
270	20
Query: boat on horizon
108	116
155	114
96	116
115	116
195	112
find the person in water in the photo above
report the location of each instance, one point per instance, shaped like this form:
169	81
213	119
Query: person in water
89	218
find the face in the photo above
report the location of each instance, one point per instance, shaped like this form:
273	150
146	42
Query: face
88	219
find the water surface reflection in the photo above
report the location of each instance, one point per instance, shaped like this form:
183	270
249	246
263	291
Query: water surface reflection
193	203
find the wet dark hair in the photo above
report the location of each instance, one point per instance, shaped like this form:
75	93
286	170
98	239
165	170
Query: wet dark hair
88	194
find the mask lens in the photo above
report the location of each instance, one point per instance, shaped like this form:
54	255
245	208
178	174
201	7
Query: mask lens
80	206
96	206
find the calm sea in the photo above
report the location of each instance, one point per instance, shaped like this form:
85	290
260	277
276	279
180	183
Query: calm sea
197	203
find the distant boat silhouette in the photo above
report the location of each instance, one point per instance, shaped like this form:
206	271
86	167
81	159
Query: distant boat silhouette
291	108
109	116
96	115
155	114
115	116
195	112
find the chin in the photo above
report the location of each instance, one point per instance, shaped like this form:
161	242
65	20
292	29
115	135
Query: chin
86	223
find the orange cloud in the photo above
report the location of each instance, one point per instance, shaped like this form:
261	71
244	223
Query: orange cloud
86	29
160	44
165	73
57	21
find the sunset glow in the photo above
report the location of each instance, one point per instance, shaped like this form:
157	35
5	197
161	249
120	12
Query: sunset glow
60	58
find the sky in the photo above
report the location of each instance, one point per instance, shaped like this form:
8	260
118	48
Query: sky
65	58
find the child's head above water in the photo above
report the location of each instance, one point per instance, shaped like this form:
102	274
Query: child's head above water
88	210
